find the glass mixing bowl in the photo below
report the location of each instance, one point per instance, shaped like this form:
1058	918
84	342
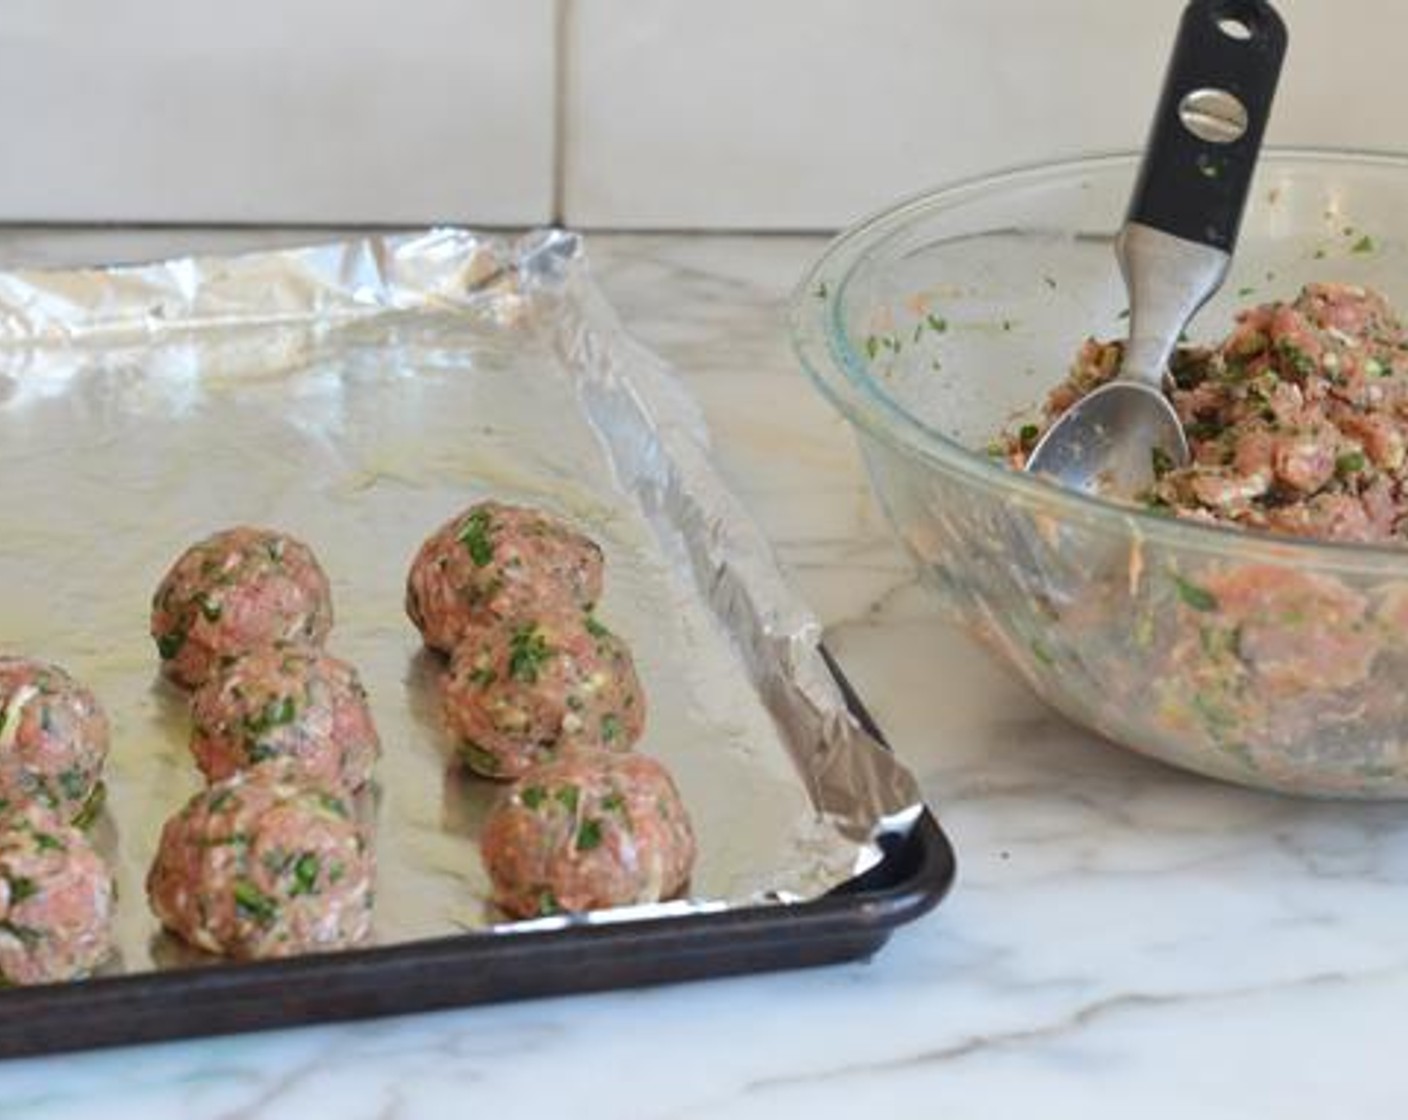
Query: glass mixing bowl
1275	662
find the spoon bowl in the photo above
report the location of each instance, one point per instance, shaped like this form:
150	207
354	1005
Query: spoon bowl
1115	441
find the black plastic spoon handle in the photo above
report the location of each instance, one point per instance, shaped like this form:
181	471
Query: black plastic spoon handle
1202	150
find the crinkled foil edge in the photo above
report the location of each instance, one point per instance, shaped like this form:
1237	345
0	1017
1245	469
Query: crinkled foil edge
660	448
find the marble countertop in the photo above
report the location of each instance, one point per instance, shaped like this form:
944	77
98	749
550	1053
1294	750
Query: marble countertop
1124	940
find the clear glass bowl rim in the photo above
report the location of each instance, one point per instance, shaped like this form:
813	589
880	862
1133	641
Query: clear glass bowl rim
842	374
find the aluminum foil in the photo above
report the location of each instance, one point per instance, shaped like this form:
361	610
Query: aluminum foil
357	395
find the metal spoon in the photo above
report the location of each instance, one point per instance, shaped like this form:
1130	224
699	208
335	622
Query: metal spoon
1176	242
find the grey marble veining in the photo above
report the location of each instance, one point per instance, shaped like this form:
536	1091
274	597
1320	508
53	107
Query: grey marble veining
1124	940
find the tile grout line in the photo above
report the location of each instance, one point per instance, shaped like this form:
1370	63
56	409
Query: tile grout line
562	26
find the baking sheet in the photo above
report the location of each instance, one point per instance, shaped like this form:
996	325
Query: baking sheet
357	395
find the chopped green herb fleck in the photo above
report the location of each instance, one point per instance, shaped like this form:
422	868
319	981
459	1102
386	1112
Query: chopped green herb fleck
1042	653
1349	462
92	806
610	727
532	797
547	903
1245	291
1123	314
334	805
474	535
24	934
48	842
1161	460
822	291
252	903
1199	598
589	835
1300	361
22	888
937	323
483	676
1049	282
1028	434
872	346
595	628
261	752
479	760
276	713
233	840
1216	717
169	645
1319	254
614	803
528	651
1218	642
73	783
1364	245
305	875
209	608
220	800
568	797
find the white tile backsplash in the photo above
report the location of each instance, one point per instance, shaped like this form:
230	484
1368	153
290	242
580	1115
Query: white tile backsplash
328	111
809	113
753	114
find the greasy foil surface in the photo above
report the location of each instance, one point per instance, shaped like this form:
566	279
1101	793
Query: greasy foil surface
357	395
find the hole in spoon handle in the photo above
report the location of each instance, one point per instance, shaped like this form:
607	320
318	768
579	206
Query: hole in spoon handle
1207	130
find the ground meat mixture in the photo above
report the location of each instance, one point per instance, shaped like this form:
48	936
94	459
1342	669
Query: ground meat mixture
295	705
522	689
497	561
53	739
1297	422
1247	666
263	865
56	899
235	591
593	830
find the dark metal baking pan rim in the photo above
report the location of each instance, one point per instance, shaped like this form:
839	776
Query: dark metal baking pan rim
849	923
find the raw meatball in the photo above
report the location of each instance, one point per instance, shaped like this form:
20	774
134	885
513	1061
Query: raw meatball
522	689
288	703
53	738
261	865
497	561
56	899
593	830
235	591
